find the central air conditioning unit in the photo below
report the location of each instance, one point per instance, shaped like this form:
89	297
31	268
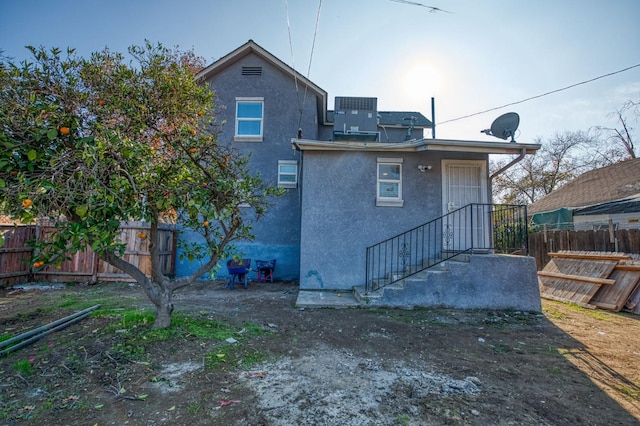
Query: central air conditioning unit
355	119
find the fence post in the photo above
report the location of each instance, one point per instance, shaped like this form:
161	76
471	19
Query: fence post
94	272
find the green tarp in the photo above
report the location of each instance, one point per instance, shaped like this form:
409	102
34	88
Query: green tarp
556	219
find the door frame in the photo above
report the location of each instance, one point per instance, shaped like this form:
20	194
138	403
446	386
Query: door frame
483	193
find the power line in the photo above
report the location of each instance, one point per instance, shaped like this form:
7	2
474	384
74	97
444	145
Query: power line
431	8
315	33
313	45
541	95
293	62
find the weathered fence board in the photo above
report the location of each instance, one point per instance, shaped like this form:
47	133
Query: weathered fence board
543	243
16	256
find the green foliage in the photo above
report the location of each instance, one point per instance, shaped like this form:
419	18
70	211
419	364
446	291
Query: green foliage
24	366
87	143
403	420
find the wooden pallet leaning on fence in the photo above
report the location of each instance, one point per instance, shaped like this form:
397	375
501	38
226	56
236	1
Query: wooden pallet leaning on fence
592	279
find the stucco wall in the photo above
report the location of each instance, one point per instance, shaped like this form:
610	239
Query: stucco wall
278	232
339	214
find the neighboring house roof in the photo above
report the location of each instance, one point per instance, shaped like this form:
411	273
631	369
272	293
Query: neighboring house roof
419	145
630	205
612	183
396	119
251	47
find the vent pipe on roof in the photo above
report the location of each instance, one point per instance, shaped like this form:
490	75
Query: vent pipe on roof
433	117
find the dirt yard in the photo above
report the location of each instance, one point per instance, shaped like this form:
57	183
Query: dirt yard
564	366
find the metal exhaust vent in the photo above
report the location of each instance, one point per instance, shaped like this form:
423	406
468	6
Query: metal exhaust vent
252	71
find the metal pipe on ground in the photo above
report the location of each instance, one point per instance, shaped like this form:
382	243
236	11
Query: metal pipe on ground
45	330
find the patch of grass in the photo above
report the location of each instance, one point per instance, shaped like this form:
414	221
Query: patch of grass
24	366
233	355
553	349
554	314
134	334
403	420
251	357
217	358
630	392
554	370
593	313
501	349
194	408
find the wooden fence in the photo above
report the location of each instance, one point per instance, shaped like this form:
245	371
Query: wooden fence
16	256
621	240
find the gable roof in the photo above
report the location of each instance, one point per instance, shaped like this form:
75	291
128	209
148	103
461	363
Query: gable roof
615	182
251	47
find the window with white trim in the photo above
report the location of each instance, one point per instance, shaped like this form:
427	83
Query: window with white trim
249	119
287	173
389	182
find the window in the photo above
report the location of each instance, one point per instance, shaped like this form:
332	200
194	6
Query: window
249	119
389	186
287	173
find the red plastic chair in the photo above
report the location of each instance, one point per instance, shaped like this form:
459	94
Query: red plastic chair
265	269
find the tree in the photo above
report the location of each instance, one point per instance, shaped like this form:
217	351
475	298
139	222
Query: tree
88	143
622	145
560	159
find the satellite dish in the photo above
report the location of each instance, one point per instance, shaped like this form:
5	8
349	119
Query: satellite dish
505	126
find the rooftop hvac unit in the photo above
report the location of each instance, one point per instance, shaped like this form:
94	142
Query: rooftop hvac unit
355	118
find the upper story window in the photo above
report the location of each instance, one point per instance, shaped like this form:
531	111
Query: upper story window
287	173
389	182
249	119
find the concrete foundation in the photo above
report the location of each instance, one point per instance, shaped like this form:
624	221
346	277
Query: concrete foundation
485	281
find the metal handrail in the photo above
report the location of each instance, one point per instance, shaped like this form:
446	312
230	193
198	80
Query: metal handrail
491	228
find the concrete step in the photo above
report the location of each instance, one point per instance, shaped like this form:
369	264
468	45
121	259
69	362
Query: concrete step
468	282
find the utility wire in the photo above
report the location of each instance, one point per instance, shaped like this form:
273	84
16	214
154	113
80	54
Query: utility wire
315	33
431	8
293	62
541	95
313	45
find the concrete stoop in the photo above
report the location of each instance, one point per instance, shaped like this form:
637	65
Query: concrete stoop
483	281
388	296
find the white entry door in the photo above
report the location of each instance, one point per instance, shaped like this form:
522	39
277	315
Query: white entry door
464	182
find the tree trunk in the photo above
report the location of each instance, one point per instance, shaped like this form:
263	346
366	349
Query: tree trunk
164	307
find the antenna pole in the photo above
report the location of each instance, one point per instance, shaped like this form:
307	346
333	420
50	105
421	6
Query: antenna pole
433	117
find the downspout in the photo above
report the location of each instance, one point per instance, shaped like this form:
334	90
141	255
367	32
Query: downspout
523	152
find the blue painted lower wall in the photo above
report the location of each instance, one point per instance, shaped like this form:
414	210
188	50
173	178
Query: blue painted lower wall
287	260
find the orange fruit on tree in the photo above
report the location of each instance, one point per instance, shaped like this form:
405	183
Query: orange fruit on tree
193	132
65	131
142	235
101	102
38	264
192	150
205	223
27	203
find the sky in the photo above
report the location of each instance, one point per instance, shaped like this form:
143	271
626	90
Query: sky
471	55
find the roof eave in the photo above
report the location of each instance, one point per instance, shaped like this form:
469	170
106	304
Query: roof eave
447	145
